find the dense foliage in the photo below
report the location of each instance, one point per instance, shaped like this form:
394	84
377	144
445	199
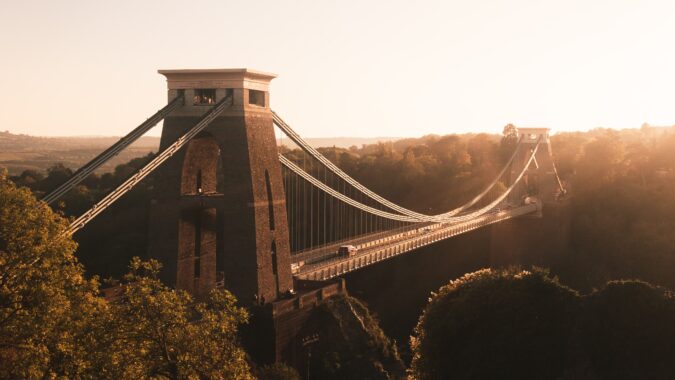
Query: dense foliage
525	325
622	205
628	330
278	371
154	331
54	324
494	324
44	296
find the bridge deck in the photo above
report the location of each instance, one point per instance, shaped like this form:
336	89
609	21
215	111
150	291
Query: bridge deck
328	251
325	264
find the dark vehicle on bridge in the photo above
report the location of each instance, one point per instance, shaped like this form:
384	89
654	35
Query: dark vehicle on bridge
347	251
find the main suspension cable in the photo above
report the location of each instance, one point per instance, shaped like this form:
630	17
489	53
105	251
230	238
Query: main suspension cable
127	185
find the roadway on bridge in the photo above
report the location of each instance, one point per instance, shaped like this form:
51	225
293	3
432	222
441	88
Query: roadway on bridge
326	265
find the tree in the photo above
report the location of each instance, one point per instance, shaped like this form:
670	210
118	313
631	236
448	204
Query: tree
77	201
278	371
155	331
451	152
508	142
567	150
29	178
494	324
628	329
601	163
54	324
638	157
483	152
45	300
56	175
510	132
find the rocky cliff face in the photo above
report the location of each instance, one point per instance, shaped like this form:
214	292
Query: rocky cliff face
351	344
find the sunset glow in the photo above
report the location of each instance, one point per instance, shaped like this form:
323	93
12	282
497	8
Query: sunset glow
346	68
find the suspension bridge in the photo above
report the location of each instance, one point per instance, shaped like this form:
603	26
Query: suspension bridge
229	210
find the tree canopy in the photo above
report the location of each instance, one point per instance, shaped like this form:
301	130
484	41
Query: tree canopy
157	332
53	323
526	325
44	296
494	324
628	330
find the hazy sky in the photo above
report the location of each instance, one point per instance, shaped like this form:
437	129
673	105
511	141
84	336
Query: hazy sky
346	68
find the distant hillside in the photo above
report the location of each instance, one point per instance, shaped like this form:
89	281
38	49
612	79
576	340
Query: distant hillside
341	142
22	152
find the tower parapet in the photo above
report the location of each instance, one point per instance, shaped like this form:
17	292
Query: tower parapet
532	135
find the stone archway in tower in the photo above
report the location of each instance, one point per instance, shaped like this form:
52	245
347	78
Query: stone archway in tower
197	233
201	166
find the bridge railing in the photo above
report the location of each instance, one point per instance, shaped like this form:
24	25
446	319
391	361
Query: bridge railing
339	265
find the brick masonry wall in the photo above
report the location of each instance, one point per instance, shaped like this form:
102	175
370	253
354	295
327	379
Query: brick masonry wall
246	239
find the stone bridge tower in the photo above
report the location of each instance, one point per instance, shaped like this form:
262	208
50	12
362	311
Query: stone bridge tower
540	180
542	237
218	214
